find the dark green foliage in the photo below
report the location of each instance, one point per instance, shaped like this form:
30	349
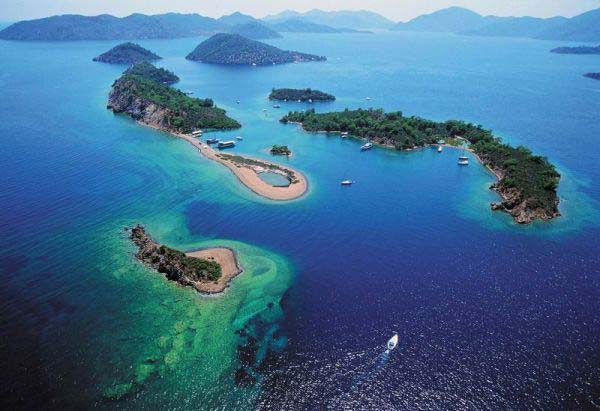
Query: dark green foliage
294	94
185	113
533	176
127	53
149	71
200	268
280	150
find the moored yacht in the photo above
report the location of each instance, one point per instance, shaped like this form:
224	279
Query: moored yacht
239	138
212	141
226	144
347	182
366	146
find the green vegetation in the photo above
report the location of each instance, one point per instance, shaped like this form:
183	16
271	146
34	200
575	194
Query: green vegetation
533	177
127	53
254	163
183	113
293	94
149	71
200	268
278	150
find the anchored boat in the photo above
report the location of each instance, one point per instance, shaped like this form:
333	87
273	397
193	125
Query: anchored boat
366	146
226	144
347	182
439	149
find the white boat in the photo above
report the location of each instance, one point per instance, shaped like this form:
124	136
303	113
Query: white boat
439	149
347	182
463	160
366	146
240	138
392	343
344	134
367	98
225	144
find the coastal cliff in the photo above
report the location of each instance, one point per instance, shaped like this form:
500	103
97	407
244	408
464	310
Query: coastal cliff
208	271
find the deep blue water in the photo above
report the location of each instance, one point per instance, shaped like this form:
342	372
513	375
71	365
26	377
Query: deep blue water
489	314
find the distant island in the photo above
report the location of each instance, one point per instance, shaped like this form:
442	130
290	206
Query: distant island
293	94
278	150
163	107
254	30
127	53
303	26
527	183
234	49
595	76
576	50
208	271
149	71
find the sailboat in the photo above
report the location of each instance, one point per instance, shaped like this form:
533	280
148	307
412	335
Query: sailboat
392	343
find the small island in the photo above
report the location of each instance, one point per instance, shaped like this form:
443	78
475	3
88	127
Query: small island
149	71
577	50
526	182
209	270
595	76
127	53
278	150
293	94
233	49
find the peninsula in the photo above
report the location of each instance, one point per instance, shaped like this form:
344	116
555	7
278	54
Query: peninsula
149	71
164	108
577	50
595	76
209	270
294	94
233	49
526	182
127	53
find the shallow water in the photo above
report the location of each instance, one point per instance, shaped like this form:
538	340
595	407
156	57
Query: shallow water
489	314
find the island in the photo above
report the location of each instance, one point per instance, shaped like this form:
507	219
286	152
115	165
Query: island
209	270
527	183
595	76
294	94
164	108
278	150
577	50
233	49
254	30
127	53
149	71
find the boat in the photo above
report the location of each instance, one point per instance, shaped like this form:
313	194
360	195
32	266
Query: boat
344	134
196	133
439	149
238	102
212	141
347	182
366	146
276	106
463	160
367	98
226	144
240	138
392	343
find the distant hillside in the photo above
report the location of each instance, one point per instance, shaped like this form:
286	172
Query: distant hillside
107	27
234	49
341	19
126	53
576	50
585	27
255	30
297	25
236	18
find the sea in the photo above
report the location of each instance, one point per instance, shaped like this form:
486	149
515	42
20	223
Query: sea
489	314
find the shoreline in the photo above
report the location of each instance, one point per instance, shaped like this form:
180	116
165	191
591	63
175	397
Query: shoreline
245	174
226	257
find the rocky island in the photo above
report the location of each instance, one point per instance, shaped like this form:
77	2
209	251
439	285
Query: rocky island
577	50
149	71
526	182
127	53
278	150
595	76
294	94
209	270
233	49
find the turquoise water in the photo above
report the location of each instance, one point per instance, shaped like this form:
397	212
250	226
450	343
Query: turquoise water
274	179
489	314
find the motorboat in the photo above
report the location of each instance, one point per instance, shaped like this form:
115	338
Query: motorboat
212	141
463	160
226	144
366	146
392	343
439	150
347	182
239	138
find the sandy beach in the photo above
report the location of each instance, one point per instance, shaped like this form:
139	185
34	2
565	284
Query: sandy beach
230	268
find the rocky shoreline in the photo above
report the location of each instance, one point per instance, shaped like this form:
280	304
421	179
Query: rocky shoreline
209	270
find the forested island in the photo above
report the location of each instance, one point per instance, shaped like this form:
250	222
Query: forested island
254	30
149	71
293	94
127	53
526	182
160	106
209	270
278	150
595	76
234	49
577	50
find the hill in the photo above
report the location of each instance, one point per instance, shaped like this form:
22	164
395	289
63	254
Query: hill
515	26
149	71
298	25
584	27
106	27
451	20
576	50
293	94
127	53
255	30
361	19
236	18
234	49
